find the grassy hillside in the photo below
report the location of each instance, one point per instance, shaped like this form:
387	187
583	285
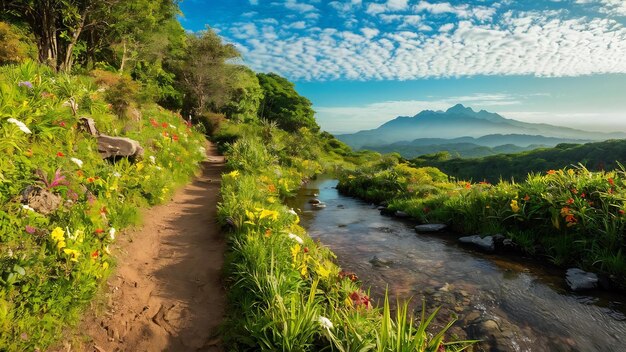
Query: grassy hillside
594	156
53	260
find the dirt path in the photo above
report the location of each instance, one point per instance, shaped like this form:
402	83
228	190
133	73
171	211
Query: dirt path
166	294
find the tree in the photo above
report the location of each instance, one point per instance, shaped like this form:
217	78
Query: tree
246	95
281	103
204	74
15	46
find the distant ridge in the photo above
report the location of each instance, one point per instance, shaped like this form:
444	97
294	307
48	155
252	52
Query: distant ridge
463	122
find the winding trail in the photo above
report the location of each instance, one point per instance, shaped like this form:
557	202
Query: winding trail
167	294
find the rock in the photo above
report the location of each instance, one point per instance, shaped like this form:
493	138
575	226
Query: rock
314	201
381	208
319	205
118	147
472	317
579	280
41	200
490	326
381	261
504	244
429	228
485	243
401	214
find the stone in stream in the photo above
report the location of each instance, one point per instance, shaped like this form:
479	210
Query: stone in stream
314	201
579	280
400	214
487	244
430	228
381	261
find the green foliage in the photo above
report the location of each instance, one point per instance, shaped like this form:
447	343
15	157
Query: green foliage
15	46
282	104
245	97
51	264
285	292
573	216
595	156
121	95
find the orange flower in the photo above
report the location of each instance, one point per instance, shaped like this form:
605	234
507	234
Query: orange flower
611	182
175	137
60	154
94	254
570	201
551	172
468	185
79	173
154	123
271	188
565	211
90	179
99	231
527	198
268	233
164	124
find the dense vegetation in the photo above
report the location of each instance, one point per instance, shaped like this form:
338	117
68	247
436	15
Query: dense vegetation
453	150
286	293
53	259
572	215
594	156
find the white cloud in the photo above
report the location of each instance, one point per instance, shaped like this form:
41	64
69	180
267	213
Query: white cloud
446	27
389	6
482	13
530	44
294	5
254	2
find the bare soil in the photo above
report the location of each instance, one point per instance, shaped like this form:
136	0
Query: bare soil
167	293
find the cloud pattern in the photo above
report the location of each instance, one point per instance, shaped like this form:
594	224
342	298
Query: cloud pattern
314	40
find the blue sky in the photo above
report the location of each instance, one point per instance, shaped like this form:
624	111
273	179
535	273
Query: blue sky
362	63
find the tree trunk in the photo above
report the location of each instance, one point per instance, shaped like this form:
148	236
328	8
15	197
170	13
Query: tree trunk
123	56
69	57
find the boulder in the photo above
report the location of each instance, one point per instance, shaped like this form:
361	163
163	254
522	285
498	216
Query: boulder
429	228
118	147
486	244
314	201
40	200
319	205
579	280
401	214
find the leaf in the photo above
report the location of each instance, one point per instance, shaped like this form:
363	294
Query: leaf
18	269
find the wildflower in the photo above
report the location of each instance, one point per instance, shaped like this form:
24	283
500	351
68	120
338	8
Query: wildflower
29	229
77	162
175	137
514	206
112	233
325	322
233	174
107	250
551	172
152	159
359	298
10	253
98	231
20	125
29	153
164	124
27	207
574	190
306	250
62	124
58	234
90	179
571	220
296	238
60	154
570	201
611	182
527	198
351	177
322	271
95	254
621	212
268	233
26	84
293	212
583	195
271	188
268	213
74	254
468	185
565	211
295	250
154	123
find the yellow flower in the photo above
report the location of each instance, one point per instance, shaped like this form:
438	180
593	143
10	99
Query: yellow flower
350	177
322	271
295	250
271	213
139	166
271	200
250	215
74	254
233	174
61	244
58	234
514	206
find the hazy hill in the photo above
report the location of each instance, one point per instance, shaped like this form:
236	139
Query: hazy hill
595	156
460	121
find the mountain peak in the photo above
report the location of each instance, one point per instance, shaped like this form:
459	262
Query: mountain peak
460	109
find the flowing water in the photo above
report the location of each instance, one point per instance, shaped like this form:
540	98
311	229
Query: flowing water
510	303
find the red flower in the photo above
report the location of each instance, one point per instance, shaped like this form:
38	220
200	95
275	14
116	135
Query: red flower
574	190
468	185
99	231
551	172
95	254
621	212
306	249
571	219
62	123
154	123
60	154
90	179
359	298
583	195
611	182
164	125
175	137
570	201
527	198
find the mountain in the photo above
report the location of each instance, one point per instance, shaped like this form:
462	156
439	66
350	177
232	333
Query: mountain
460	121
469	147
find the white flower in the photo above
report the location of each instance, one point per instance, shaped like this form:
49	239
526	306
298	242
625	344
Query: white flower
107	250
77	162
172	126
20	124
325	322
112	233
10	253
202	150
293	212
117	174
159	168
152	159
27	207
296	238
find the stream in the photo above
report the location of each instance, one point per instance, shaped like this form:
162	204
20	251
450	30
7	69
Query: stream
510	303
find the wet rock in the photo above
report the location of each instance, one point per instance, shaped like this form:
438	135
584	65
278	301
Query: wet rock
446	288
381	261
40	200
579	280
314	201
400	214
430	228
387	212
490	326
319	205
472	317
485	244
504	244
